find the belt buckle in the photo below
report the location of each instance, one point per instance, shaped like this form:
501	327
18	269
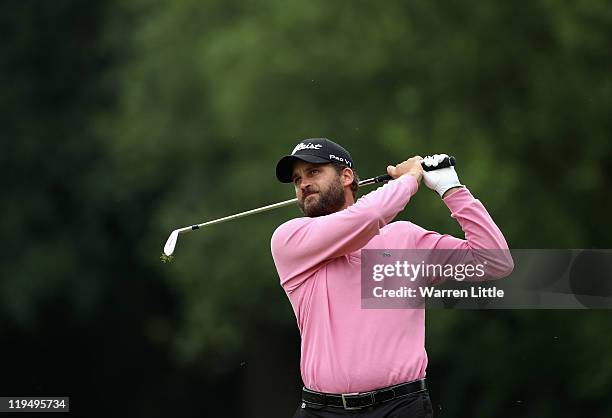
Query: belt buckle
348	408
344	401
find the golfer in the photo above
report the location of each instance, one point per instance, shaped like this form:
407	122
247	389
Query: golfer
362	362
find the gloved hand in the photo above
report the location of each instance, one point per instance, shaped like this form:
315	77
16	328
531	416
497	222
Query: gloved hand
440	180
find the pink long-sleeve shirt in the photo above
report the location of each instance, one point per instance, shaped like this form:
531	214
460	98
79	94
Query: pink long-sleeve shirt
346	348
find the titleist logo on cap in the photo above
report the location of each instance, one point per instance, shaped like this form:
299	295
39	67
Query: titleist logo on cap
310	145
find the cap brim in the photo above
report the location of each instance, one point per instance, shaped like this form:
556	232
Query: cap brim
284	167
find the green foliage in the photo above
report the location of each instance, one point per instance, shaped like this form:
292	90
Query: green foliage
166	258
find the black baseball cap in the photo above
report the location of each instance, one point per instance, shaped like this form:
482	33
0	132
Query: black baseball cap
312	150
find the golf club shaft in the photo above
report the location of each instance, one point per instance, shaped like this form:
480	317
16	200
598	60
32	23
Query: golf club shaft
171	242
247	213
447	162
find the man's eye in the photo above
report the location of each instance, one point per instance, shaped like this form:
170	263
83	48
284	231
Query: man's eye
314	171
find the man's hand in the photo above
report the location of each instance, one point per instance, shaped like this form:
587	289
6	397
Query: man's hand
411	166
441	180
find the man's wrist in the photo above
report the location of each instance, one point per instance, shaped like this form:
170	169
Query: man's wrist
411	181
451	191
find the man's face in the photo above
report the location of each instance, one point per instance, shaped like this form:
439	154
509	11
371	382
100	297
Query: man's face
318	188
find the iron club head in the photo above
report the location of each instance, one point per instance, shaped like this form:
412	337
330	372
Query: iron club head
171	243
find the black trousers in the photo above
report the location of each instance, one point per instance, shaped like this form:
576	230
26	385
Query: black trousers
415	405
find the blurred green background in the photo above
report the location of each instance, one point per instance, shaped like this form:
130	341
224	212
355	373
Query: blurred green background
122	120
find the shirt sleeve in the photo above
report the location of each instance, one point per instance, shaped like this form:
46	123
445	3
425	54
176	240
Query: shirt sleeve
302	245
483	243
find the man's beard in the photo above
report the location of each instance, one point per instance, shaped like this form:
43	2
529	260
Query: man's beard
328	201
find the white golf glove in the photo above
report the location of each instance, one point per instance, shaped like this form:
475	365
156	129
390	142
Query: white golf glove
440	180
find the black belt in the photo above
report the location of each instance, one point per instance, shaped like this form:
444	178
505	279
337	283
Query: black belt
362	399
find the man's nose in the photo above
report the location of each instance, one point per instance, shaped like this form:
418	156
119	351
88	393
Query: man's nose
305	185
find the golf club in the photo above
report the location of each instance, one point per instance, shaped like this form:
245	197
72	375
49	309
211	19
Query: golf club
172	239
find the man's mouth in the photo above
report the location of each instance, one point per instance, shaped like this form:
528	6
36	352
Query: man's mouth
309	194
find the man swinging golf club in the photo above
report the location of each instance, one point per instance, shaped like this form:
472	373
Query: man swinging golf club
362	362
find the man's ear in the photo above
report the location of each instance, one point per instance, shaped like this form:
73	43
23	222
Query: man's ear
347	176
